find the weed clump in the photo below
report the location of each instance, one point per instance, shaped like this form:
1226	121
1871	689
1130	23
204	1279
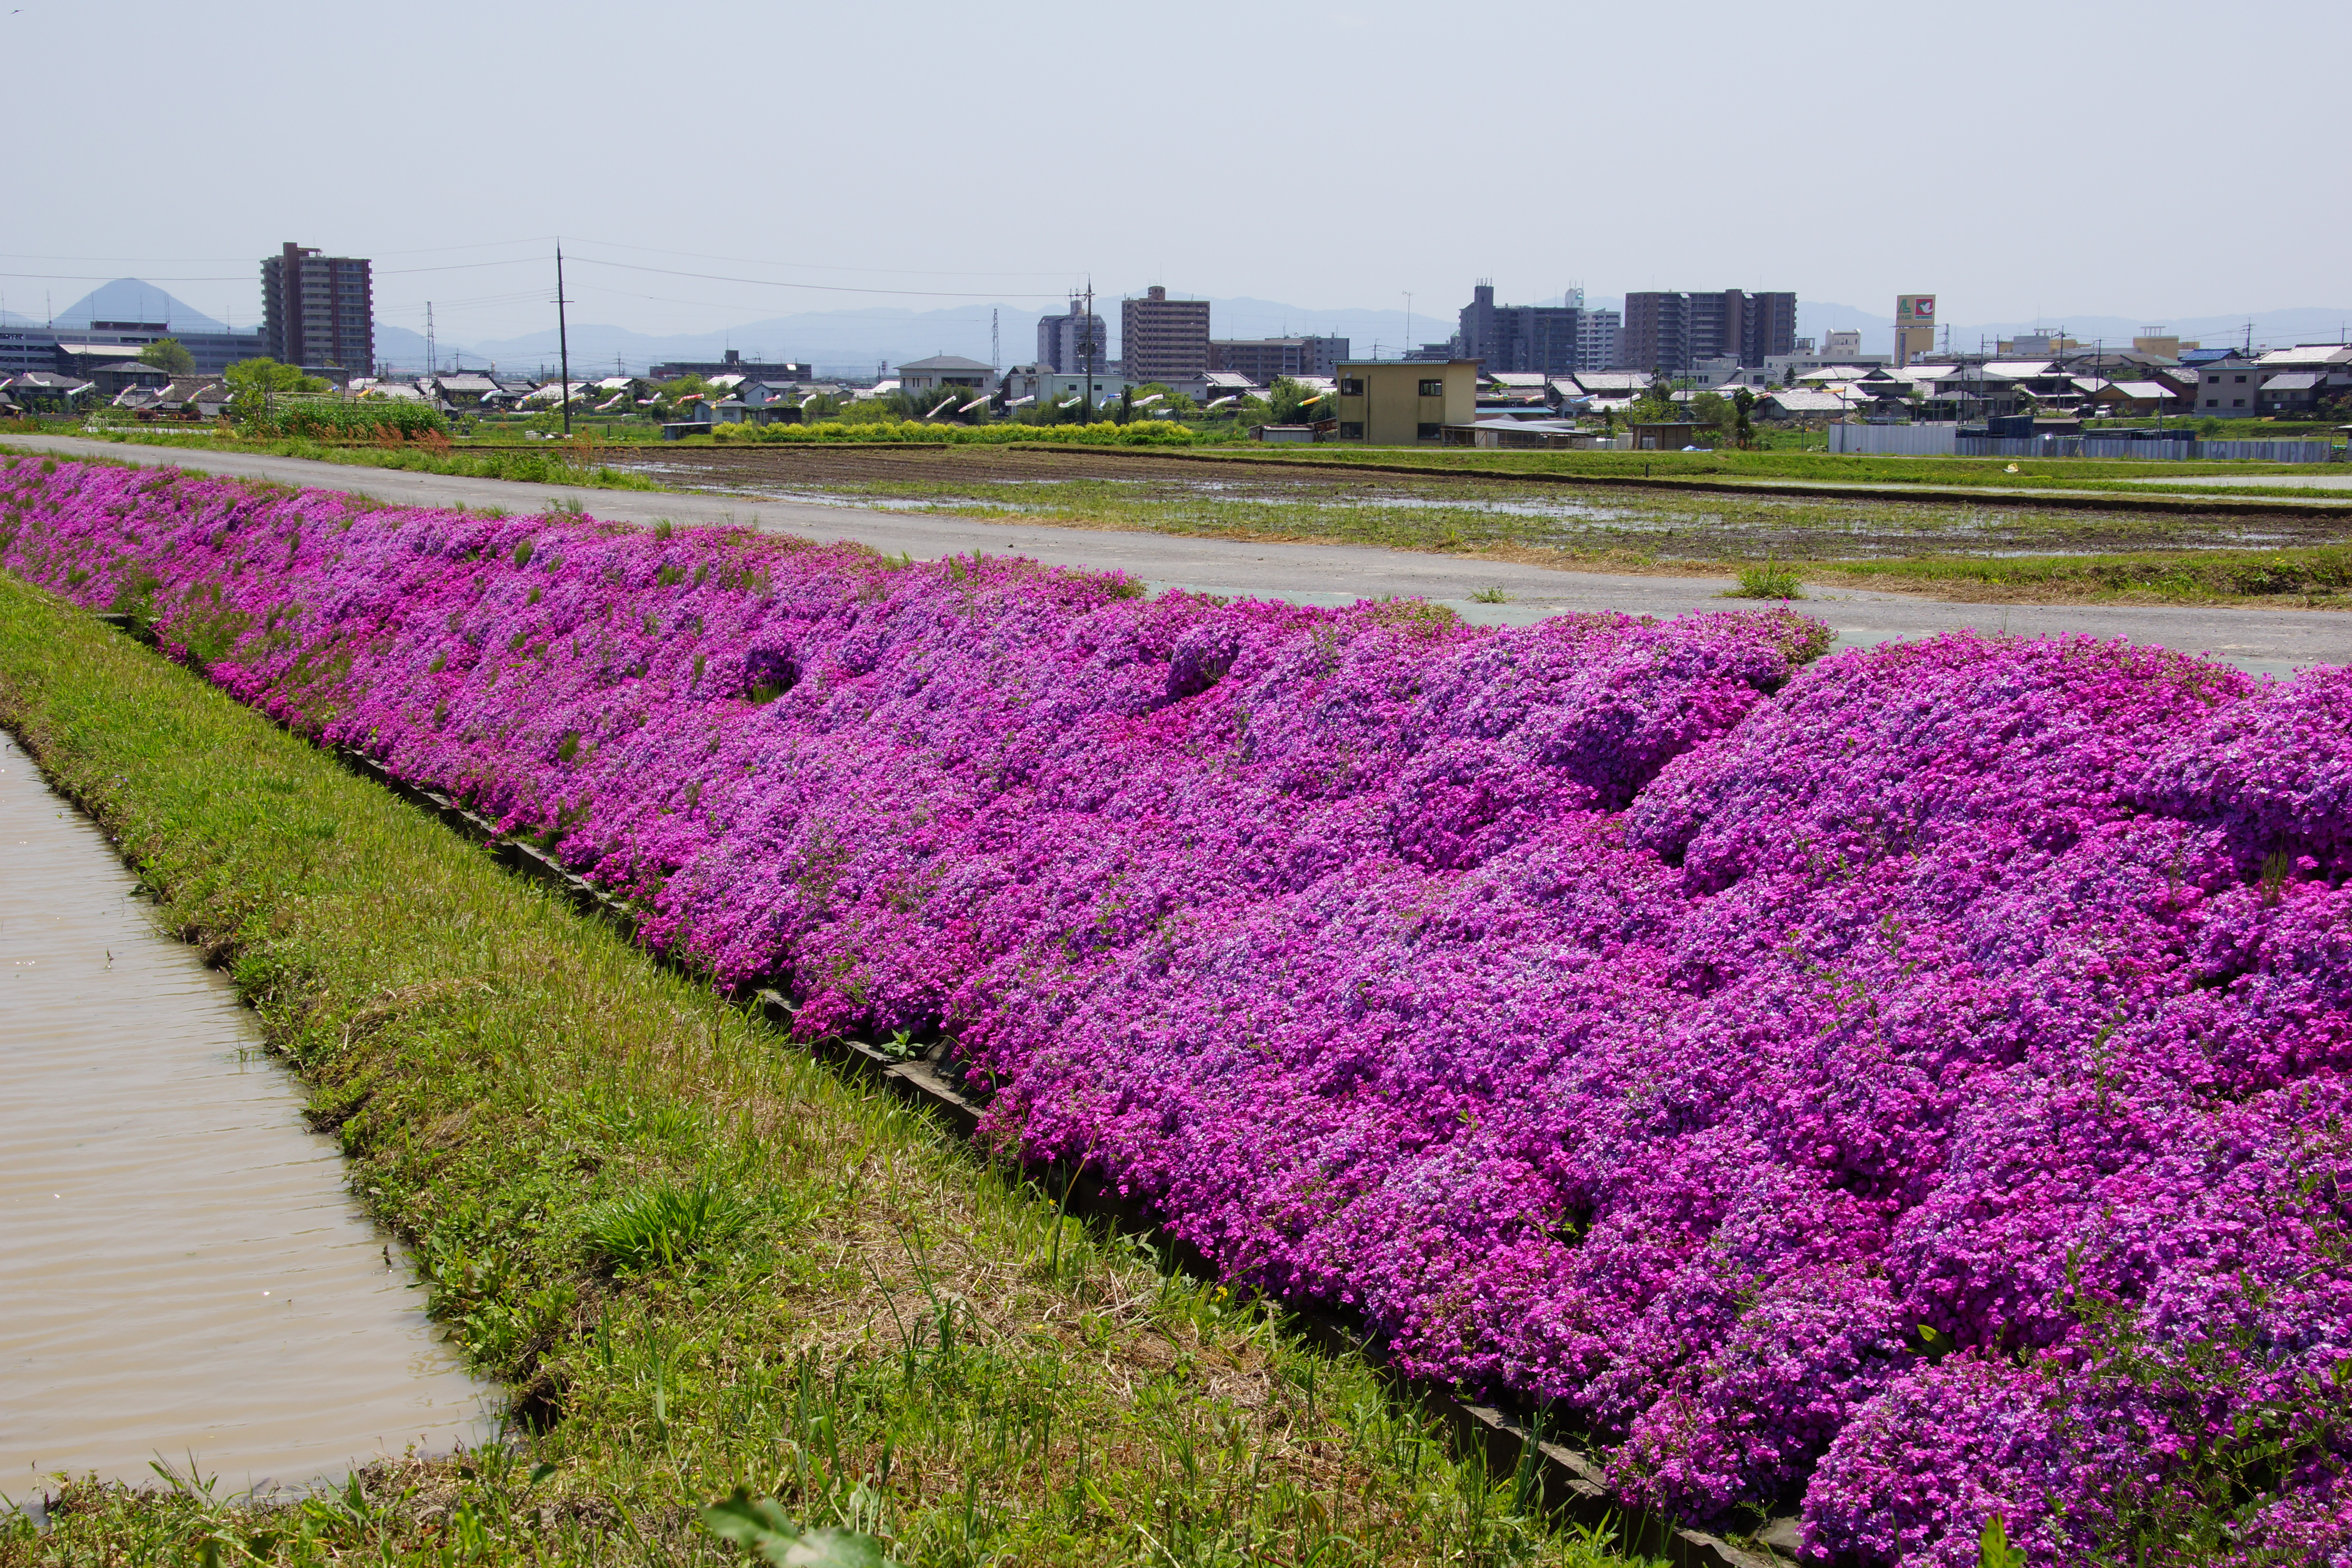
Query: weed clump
665	1224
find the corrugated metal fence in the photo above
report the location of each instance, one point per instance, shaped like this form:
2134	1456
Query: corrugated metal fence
1895	440
1943	440
2270	451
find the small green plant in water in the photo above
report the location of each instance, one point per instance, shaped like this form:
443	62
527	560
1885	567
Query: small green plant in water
664	1225
761	1525
1768	581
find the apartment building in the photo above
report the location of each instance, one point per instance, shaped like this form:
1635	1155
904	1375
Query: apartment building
733	363
1597	337
1546	339
1264	359
1062	340
1164	339
54	348
319	312
1666	329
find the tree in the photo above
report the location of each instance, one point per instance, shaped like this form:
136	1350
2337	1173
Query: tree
253	383
1656	405
1743	428
1286	401
1707	409
169	355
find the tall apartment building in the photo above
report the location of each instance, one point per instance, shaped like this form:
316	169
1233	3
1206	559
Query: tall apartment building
1062	340
1596	339
1163	340
1671	331
1263	359
319	311
1550	340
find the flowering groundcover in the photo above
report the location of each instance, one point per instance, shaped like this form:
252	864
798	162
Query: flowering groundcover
1909	1086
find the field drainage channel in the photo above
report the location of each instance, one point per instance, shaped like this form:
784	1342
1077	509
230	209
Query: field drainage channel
1565	1481
183	1273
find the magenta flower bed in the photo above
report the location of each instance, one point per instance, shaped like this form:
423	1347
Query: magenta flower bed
1909	1086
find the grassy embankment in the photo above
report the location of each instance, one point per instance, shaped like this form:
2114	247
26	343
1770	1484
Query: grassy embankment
577	462
701	1257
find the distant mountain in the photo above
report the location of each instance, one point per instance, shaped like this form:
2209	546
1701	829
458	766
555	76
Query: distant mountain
127	299
845	342
857	343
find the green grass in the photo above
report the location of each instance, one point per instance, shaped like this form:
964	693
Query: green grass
1768	581
697	1259
1794	468
2319	576
1921	546
538	463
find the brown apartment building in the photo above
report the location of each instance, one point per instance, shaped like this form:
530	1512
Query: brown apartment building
319	311
1264	359
1672	332
1163	340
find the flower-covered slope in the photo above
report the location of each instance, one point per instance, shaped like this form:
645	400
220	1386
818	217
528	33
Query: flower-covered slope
1909	1084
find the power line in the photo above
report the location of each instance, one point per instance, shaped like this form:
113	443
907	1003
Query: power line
819	288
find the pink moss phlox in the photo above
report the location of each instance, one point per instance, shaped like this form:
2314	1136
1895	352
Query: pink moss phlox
1913	1082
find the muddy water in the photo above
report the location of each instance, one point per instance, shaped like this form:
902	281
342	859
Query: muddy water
181	1269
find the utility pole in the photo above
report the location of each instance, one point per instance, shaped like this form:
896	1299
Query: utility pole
995	351
562	342
1087	332
432	359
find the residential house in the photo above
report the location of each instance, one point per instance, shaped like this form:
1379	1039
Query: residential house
188	397
2305	379
2141	399
1405	403
2228	387
1611	384
85	362
772	402
1796	403
945	373
111	379
466	389
2296	394
43	390
1025	384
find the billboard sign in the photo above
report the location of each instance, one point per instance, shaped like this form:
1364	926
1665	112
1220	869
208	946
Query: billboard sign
1914	310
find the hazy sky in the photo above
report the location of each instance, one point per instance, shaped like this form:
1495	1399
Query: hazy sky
2017	160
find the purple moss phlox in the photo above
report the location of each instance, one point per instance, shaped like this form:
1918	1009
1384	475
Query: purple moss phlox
1804	1075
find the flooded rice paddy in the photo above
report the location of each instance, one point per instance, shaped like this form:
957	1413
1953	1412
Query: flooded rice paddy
181	1271
1258	498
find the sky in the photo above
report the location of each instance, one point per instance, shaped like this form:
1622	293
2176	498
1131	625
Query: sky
708	167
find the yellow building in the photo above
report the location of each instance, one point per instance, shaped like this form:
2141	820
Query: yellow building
1405	403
